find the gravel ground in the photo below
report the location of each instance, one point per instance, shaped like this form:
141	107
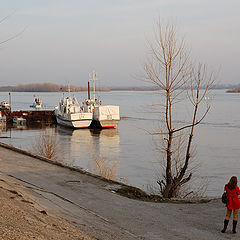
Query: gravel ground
21	218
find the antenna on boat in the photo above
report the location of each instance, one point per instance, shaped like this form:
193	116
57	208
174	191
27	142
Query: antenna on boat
93	78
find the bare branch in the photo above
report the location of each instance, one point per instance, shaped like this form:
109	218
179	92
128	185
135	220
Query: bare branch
13	37
3	19
194	124
171	70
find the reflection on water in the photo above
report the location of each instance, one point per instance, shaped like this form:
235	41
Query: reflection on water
3	128
19	126
106	154
97	150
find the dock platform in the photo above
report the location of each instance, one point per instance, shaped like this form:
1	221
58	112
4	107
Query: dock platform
43	116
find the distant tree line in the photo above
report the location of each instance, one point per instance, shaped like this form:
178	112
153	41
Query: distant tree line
44	87
236	90
50	87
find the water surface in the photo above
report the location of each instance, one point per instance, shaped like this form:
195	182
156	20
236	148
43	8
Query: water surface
129	149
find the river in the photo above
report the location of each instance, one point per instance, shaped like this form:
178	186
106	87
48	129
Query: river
128	153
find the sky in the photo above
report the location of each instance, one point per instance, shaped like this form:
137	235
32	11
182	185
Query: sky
61	41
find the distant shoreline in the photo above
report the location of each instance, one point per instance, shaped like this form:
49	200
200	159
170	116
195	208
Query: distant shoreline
50	87
237	90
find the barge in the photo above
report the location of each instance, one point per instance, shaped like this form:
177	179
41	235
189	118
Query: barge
32	117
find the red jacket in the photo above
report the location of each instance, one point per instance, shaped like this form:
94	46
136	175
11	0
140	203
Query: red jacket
233	199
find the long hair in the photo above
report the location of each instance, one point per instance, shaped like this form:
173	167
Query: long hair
232	183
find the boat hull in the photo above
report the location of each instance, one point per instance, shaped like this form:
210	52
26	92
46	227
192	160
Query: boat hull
83	122
104	124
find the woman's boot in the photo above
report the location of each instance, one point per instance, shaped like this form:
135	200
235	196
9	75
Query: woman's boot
225	226
234	226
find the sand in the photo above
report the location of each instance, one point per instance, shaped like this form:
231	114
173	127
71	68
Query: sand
21	218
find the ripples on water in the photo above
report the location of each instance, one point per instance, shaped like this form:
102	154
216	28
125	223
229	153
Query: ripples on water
127	153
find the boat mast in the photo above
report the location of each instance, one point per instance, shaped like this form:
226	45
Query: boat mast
94	84
93	78
89	90
10	102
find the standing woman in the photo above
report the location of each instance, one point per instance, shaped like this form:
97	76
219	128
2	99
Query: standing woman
233	203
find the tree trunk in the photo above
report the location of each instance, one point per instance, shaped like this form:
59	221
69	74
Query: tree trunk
169	179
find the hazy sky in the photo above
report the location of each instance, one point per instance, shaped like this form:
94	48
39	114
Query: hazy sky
66	39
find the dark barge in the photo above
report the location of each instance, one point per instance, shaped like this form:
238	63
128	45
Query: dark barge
32	117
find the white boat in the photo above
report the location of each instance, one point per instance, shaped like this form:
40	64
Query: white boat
69	113
107	116
37	103
5	106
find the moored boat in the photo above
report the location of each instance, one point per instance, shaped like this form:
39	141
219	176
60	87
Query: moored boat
37	103
107	116
69	113
5	106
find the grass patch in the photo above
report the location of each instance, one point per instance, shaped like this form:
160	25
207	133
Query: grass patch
138	194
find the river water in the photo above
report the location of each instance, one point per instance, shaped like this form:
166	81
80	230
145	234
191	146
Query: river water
128	153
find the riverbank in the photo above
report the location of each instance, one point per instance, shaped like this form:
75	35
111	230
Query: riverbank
22	218
91	205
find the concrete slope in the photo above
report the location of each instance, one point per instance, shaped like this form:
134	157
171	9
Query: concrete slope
88	203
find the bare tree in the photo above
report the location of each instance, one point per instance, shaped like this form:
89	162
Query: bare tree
12	37
170	68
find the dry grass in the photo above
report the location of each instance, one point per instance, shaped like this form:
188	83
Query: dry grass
105	168
46	145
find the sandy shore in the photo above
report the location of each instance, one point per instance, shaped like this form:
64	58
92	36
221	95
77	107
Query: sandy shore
22	218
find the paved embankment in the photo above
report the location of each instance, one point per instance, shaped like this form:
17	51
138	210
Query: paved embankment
89	204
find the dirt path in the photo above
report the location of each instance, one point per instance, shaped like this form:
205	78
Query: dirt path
95	208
